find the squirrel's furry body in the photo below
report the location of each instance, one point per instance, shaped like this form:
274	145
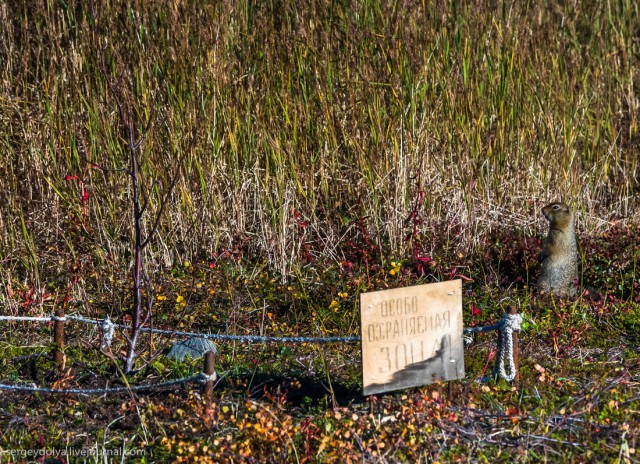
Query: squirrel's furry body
559	272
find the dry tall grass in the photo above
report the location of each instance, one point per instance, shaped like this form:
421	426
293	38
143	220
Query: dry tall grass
328	110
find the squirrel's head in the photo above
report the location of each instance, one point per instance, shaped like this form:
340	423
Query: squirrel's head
559	215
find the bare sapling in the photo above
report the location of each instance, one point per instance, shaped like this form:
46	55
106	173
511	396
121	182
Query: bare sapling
140	199
133	134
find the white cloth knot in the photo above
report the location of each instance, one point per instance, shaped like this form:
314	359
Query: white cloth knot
204	378
107	328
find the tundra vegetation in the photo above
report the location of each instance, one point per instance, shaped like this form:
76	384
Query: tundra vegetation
297	154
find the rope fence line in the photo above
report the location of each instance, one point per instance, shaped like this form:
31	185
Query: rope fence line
484	328
107	327
199	378
508	328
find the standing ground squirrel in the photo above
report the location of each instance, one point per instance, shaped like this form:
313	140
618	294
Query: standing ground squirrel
559	254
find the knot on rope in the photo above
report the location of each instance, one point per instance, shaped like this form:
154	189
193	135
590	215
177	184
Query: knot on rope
512	322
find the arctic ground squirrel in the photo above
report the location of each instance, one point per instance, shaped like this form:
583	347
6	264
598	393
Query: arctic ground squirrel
559	272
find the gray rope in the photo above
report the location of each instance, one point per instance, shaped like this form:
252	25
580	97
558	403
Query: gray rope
509	322
86	320
108	327
250	338
25	318
485	328
200	378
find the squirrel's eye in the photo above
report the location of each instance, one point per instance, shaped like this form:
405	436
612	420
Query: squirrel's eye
556	207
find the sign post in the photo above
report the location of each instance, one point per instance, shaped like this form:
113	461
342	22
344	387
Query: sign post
411	336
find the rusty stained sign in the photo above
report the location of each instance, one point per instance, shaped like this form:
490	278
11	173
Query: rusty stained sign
411	336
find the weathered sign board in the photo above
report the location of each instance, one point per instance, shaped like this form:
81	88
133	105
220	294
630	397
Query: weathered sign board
411	336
